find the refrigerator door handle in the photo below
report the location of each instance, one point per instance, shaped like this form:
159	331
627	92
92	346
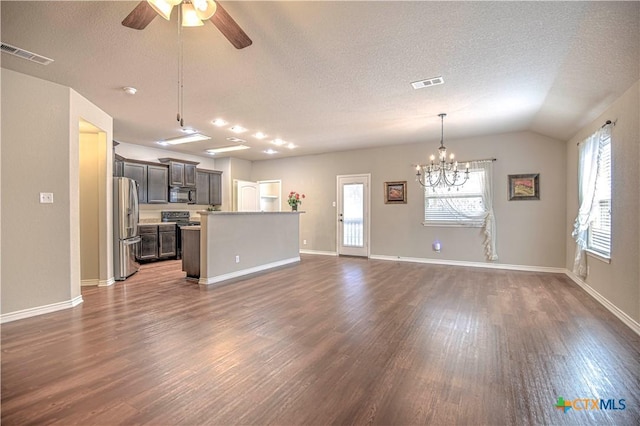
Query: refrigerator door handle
131	241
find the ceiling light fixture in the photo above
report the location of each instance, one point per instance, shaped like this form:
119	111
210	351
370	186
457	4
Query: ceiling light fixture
214	151
130	90
189	16
270	151
193	11
235	140
237	129
290	145
259	135
278	142
219	122
443	173
184	139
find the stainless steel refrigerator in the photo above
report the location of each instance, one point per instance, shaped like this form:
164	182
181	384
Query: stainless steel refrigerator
125	227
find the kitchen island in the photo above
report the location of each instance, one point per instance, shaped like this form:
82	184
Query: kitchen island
234	244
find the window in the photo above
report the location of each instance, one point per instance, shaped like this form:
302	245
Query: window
599	234
458	206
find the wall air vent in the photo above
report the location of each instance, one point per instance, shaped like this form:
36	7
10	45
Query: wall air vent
434	81
25	54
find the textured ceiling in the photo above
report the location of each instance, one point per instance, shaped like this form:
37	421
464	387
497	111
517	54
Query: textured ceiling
336	75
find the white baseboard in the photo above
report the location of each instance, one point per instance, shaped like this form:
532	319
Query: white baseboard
248	271
323	253
40	310
630	322
471	264
97	282
106	283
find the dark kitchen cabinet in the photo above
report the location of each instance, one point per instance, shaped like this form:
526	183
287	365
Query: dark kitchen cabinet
215	189
182	173
137	172
157	184
202	187
167	240
208	187
152	179
157	242
148	248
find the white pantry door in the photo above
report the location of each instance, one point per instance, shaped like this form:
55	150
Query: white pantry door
246	196
353	215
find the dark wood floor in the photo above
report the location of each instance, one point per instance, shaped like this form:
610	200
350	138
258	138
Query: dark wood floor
327	341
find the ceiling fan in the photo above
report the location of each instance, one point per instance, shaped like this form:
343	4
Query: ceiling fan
197	10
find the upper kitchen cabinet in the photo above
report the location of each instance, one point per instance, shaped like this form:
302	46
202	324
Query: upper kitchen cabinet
137	172
209	187
157	184
182	173
152	179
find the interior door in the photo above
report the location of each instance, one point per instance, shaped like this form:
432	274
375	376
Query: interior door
353	215
246	196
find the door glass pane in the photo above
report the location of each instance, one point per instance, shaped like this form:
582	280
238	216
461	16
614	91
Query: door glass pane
353	221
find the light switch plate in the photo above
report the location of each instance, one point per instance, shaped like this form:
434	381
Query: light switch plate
46	198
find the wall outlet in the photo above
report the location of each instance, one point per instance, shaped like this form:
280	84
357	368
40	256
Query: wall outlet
46	198
237	259
304	242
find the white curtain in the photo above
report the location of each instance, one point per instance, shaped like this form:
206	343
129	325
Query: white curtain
459	207
588	165
489	225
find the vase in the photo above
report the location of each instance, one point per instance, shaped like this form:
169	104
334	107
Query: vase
294	208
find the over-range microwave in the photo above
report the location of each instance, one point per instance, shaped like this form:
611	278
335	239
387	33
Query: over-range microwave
182	195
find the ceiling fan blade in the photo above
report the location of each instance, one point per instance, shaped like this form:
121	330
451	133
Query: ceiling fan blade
140	16
230	29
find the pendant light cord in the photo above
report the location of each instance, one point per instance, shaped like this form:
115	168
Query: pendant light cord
180	114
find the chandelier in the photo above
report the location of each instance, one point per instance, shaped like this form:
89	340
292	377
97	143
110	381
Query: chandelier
443	173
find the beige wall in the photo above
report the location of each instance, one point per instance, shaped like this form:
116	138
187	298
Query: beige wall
41	154
89	205
618	281
145	153
529	233
35	135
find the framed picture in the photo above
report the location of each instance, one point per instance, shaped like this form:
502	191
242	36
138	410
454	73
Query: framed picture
524	187
395	192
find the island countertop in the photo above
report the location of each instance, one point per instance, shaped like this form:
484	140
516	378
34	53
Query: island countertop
214	213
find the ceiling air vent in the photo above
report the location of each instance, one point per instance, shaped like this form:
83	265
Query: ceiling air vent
24	54
434	81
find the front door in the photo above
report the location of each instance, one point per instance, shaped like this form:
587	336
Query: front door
353	215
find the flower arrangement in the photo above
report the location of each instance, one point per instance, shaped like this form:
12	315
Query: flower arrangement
295	199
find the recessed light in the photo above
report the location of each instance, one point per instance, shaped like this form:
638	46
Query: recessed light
236	140
278	142
185	139
259	135
130	90
237	129
219	122
290	145
270	151
214	151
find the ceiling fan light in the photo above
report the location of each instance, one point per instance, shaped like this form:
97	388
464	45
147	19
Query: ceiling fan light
162	7
204	8
189	16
